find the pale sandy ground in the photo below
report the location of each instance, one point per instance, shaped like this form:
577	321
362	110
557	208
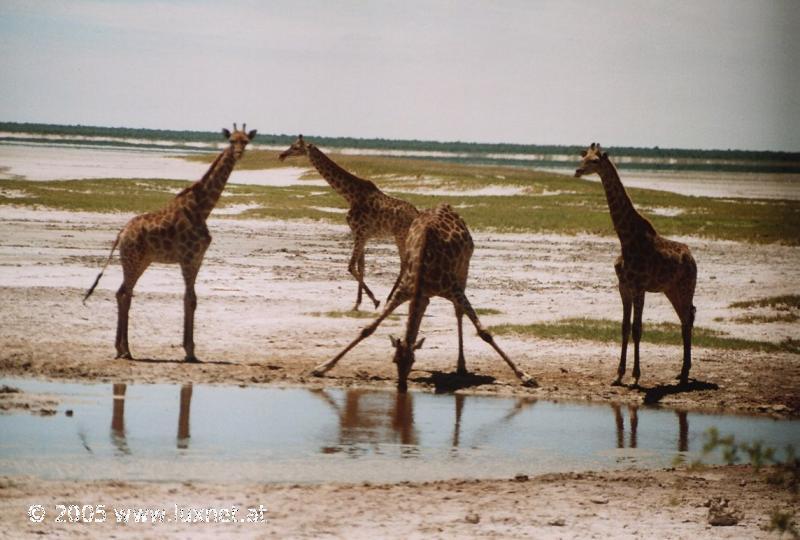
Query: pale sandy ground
662	504
263	283
260	286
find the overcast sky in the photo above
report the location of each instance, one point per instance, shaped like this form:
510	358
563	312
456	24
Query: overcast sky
697	74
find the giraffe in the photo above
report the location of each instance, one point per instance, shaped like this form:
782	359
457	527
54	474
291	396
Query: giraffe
176	234
438	251
372	213
649	263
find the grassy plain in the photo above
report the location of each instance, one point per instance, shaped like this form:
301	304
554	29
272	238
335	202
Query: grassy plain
604	330
544	202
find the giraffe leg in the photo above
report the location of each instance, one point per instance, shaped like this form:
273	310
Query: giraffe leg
401	243
685	310
638	306
397	281
361	265
365	333
627	302
461	301
461	364
132	269
405	361
189	271
356	268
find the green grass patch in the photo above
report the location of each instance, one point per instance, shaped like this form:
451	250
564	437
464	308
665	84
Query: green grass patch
782	303
548	203
487	311
605	330
760	319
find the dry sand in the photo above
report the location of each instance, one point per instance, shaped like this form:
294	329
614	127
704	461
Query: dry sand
261	291
264	285
624	504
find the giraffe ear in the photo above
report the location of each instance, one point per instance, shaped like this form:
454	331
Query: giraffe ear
583	153
226	133
395	341
418	344
252	134
605	155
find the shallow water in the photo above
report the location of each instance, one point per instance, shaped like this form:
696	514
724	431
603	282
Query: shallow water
165	432
41	163
720	185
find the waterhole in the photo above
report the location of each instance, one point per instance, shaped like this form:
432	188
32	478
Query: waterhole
169	432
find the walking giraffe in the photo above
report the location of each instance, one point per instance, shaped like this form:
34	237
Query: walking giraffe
438	251
649	263
372	213
176	234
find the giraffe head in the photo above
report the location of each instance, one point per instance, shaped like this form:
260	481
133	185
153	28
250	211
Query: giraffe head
298	148
592	157
404	358
239	139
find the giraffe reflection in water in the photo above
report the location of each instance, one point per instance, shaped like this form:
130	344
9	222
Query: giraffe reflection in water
369	419
633	417
118	433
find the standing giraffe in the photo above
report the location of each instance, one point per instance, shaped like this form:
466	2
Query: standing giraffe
176	234
649	263
438	250
372	213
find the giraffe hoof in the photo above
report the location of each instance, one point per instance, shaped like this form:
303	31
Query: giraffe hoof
317	372
192	359
529	382
124	356
617	382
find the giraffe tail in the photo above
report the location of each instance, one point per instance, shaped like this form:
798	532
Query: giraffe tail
97	279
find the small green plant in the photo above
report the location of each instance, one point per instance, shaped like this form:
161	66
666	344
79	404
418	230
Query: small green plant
783	522
785	472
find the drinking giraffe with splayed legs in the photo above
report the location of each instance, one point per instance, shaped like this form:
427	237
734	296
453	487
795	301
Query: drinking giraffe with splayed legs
438	250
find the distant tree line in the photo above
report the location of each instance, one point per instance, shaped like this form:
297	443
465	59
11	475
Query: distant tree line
790	160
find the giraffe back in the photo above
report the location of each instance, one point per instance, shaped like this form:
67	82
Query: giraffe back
439	248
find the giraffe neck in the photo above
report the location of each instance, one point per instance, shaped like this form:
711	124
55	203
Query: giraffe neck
623	214
414	314
208	189
342	182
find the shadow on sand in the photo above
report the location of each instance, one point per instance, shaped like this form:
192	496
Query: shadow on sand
450	382
194	363
656	393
